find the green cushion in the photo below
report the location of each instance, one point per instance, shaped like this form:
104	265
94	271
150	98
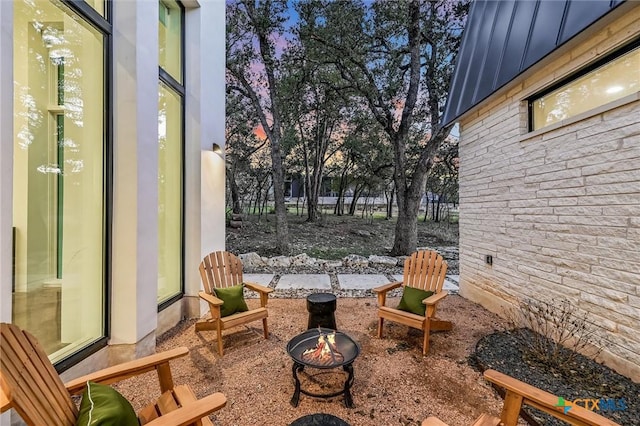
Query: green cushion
103	405
412	300
233	298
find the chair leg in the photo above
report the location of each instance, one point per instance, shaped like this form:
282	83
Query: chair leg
380	323
265	327
220	340
425	343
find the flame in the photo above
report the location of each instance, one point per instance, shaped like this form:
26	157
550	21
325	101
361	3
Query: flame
325	352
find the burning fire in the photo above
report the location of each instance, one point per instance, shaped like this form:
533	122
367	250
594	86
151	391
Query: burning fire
325	352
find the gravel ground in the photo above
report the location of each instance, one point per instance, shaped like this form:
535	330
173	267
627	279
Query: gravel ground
394	384
583	379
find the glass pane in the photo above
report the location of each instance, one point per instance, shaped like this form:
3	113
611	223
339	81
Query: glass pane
98	5
612	81
170	37
169	194
58	205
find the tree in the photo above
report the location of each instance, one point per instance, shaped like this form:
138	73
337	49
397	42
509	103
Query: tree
253	72
314	113
398	58
443	179
241	145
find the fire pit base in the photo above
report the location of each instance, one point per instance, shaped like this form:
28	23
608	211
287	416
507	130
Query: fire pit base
319	419
346	391
323	349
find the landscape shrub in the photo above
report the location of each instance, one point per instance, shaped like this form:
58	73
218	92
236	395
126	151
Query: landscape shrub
553	332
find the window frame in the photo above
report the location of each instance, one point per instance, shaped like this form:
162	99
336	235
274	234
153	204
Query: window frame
103	25
566	81
179	88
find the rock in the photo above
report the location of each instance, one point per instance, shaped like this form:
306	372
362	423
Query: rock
400	260
382	260
280	261
302	259
355	260
361	233
251	259
328	264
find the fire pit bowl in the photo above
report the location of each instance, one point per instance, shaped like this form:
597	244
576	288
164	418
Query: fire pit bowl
347	349
323	348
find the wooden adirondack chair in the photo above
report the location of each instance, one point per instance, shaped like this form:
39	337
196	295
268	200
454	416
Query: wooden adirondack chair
222	269
518	394
31	386
425	270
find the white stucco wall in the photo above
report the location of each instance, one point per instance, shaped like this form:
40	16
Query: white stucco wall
205	125
559	208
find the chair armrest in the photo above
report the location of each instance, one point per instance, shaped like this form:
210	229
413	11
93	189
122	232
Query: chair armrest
257	287
190	413
125	370
387	287
435	298
210	298
544	401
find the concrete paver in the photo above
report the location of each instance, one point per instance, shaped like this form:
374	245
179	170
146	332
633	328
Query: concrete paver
305	281
361	281
262	279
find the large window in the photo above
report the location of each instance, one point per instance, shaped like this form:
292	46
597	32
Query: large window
170	38
169	193
59	177
170	142
618	77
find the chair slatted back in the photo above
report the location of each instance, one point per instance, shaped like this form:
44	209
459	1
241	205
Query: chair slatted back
425	270
220	269
30	382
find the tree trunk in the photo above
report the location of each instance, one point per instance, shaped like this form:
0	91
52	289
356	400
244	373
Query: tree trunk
433	211
235	194
406	234
390	201
282	227
344	182
354	201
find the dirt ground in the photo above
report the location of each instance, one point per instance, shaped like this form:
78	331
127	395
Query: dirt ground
334	237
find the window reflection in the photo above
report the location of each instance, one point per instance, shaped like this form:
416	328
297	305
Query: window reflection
612	81
170	38
58	180
169	193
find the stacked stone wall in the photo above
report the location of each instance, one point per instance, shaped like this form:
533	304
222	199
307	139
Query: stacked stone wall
558	208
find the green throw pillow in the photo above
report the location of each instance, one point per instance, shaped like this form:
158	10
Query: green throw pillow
102	405
233	298
412	300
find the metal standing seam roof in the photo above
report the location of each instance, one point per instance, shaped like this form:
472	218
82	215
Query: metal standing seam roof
503	38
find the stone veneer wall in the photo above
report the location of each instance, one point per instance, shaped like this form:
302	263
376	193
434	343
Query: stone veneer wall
559	208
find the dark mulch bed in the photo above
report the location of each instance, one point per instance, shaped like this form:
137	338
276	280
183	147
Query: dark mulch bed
618	396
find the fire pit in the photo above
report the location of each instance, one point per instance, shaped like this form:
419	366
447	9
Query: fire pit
323	348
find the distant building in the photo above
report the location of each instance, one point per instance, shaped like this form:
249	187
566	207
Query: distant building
547	95
111	192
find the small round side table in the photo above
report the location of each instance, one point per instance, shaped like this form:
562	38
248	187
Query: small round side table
321	307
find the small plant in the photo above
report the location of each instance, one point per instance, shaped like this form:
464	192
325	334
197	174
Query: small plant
553	332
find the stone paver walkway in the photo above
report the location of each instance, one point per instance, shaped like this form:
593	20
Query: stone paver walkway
344	281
